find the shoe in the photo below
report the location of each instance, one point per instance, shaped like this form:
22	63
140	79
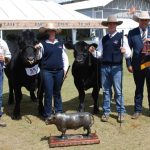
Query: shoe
136	115
105	118
2	123
121	118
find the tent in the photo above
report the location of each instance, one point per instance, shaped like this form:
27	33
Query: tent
32	14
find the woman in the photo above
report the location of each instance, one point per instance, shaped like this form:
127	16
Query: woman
54	64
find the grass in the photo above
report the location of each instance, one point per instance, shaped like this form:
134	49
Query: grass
23	134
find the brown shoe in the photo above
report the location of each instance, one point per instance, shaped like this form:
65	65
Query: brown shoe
136	115
2	123
105	118
121	118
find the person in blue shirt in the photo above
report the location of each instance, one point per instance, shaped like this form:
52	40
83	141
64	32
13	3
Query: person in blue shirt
111	52
54	64
138	39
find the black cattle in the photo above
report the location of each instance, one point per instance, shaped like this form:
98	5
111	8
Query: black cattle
23	60
86	73
13	44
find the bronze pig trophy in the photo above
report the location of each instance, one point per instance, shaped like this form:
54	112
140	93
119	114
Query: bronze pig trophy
65	121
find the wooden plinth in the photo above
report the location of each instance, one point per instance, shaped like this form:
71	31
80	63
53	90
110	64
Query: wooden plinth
73	140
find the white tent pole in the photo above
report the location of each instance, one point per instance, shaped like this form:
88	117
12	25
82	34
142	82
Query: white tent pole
74	35
1	34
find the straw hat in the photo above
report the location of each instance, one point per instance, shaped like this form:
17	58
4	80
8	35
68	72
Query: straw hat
111	19
48	27
142	15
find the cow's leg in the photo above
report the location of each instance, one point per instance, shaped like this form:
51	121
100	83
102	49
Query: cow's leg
80	87
40	95
32	96
11	93
18	97
95	94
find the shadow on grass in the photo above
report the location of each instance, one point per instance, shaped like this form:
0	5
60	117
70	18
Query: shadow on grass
129	109
72	104
27	106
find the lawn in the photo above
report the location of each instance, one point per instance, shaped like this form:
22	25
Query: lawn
26	135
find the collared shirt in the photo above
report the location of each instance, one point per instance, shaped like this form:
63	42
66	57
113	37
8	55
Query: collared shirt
64	55
146	31
99	52
4	50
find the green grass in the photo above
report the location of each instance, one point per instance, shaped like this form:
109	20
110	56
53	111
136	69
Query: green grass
21	135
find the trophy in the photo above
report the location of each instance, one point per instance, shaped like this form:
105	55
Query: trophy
65	121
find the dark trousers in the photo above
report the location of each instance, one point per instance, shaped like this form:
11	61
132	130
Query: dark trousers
139	79
52	81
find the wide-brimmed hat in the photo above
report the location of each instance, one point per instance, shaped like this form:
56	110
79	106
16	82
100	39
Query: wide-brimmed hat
112	19
143	15
48	27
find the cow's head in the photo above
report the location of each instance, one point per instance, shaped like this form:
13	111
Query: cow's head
81	52
28	52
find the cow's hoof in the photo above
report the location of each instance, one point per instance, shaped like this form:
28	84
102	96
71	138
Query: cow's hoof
16	117
96	111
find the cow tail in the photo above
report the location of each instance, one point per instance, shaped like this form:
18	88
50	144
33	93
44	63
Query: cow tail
92	118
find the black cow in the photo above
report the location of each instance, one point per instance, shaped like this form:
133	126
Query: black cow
13	44
24	57
85	70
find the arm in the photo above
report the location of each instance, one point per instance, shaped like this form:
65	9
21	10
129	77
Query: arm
41	50
65	61
126	49
6	53
128	60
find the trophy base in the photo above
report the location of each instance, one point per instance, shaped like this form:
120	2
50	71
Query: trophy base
73	140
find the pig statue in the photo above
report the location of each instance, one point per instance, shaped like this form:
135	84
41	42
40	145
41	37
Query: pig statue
64	121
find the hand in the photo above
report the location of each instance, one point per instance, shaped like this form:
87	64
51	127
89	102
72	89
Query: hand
37	46
91	49
2	58
123	50
130	69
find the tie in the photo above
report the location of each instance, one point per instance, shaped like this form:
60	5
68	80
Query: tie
110	35
143	35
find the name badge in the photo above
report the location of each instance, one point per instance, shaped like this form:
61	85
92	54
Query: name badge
32	71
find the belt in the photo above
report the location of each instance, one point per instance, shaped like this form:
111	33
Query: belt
55	69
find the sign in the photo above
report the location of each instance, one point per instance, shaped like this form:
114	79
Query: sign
36	24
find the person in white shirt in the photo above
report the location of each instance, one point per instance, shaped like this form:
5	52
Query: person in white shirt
5	57
54	64
111	50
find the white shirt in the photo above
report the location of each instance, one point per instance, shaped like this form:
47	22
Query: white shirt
4	50
64	55
99	52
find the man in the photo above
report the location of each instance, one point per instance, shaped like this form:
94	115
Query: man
4	59
111	51
137	39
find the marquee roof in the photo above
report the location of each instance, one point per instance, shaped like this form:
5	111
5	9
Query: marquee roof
23	14
87	4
